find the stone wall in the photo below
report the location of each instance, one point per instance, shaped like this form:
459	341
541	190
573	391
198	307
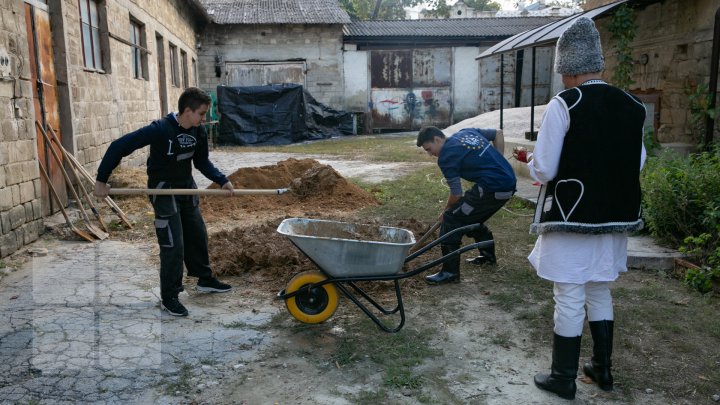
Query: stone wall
108	105
319	46
672	53
94	107
20	204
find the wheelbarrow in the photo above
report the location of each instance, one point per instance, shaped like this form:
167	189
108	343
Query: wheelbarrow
347	253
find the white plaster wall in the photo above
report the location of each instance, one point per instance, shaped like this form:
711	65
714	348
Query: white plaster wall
356	70
465	83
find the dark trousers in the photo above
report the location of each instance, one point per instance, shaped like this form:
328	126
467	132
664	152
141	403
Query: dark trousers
183	239
475	207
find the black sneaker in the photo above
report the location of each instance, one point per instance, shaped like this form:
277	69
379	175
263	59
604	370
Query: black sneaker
212	285
174	307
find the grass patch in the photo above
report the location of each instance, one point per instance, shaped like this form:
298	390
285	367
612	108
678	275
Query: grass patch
421	195
182	382
398	354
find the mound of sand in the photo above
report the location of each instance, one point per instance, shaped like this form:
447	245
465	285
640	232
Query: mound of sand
313	186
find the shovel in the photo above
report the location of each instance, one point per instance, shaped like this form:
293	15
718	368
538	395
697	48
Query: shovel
80	233
426	236
85	194
109	201
98	233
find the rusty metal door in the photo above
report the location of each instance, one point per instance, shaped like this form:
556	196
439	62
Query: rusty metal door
260	74
410	88
45	100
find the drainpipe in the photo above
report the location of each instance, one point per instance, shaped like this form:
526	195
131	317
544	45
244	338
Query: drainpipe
710	121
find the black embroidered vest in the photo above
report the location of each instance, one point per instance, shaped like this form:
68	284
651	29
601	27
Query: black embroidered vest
597	187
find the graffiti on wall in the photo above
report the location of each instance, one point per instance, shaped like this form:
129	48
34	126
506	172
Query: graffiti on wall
410	108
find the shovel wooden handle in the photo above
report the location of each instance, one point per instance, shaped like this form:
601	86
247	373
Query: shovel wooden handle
425	237
195	191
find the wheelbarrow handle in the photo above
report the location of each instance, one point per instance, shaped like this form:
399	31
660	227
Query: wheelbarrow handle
195	191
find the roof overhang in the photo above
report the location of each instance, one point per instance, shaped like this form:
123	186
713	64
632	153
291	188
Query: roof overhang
547	34
201	10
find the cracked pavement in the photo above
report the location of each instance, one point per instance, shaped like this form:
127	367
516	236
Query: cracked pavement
83	325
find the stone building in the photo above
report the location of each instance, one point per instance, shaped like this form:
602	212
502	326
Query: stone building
404	74
91	70
672	56
250	43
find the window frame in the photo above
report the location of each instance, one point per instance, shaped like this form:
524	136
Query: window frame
184	68
93	44
138	49
174	73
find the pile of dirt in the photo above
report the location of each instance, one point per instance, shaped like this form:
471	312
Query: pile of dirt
261	254
313	187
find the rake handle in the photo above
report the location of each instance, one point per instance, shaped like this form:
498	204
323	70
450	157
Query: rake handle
195	191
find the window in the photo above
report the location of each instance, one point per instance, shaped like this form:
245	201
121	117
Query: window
174	73
91	41
184	68
138	49
195	72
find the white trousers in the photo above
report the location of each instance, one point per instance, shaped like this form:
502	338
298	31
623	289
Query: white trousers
571	300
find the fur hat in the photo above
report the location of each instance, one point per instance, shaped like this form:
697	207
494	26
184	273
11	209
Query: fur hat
578	50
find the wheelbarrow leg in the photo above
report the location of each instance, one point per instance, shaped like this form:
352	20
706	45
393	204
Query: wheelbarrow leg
400	308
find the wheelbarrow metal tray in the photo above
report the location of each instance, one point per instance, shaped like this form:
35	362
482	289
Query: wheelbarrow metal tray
343	249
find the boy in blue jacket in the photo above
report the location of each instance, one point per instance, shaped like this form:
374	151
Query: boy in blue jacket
175	141
469	155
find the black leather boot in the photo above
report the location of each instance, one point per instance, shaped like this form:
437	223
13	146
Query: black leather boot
450	272
487	256
598	369
565	357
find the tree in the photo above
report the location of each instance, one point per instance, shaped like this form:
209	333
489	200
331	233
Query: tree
440	8
483	5
389	9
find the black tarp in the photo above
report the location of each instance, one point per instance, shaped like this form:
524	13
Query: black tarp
276	114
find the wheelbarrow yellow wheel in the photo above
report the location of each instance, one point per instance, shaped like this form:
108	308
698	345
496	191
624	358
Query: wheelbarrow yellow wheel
311	305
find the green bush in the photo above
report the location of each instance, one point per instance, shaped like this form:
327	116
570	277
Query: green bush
681	196
681	201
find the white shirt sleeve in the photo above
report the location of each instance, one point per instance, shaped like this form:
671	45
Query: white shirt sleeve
546	156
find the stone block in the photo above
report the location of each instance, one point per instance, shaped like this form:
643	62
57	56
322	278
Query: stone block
6	89
13	173
5	222
9	130
28	211
27	192
32	231
8	244
6	198
17	216
37	209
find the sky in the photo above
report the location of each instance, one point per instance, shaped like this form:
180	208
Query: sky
506	4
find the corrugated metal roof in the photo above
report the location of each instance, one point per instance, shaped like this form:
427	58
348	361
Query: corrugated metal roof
454	27
546	34
275	12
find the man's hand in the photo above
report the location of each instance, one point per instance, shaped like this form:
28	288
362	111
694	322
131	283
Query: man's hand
521	154
228	186
101	189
